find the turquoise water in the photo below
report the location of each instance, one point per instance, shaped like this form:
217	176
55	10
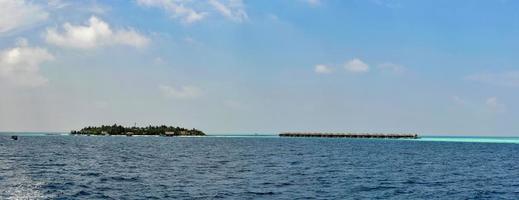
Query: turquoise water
512	140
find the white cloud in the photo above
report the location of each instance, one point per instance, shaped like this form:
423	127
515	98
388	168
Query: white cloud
20	65
322	69
356	66
16	14
22	42
176	9
494	104
490	104
394	68
182	92
233	10
458	100
159	61
509	79
273	17
94	34
314	2
188	11
98	9
58	4
492	101
130	37
192	41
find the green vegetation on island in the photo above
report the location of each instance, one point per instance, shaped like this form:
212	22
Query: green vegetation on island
130	131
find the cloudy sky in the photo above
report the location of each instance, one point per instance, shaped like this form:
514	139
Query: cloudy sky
431	67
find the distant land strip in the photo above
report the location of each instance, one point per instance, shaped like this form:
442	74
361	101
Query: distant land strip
131	131
349	135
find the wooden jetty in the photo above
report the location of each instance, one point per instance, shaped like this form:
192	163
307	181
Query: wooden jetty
350	135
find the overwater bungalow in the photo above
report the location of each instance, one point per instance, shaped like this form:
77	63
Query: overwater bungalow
349	135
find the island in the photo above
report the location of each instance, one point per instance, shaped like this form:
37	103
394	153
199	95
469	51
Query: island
131	131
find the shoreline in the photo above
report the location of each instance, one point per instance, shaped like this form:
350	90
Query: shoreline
446	139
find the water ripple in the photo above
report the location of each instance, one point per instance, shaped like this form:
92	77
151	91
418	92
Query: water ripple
66	167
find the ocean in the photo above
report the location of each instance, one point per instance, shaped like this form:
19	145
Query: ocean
43	166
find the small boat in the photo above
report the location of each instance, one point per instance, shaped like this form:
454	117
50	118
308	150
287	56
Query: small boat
14	137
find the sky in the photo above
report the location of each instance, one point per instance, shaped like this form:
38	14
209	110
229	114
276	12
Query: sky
259	66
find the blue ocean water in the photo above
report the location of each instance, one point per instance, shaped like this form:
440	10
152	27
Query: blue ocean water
268	167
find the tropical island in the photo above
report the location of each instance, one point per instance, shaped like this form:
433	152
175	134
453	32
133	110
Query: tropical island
131	131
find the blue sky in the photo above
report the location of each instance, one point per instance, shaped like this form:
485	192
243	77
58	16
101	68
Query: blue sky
431	67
